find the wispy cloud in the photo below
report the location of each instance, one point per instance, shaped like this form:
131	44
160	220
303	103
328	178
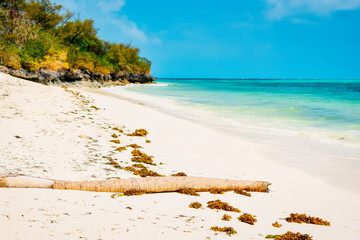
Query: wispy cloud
282	8
111	5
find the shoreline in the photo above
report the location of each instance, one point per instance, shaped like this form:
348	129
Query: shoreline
333	160
49	121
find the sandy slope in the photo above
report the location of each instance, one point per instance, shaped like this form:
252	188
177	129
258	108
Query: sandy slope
48	122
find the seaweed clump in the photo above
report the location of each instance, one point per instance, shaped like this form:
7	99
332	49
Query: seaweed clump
113	162
148	141
142	172
290	236
118	129
179	174
217	191
302	218
114	135
94	107
242	192
120	149
139	133
218	204
133	145
117	141
226	217
195	205
141	157
247	218
227	230
188	191
276	224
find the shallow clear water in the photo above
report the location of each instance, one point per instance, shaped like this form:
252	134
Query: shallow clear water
324	107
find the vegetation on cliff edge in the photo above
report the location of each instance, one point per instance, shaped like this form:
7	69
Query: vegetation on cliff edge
38	34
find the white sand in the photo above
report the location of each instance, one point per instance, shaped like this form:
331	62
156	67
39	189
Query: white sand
50	120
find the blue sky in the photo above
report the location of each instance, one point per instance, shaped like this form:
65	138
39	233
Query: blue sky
234	38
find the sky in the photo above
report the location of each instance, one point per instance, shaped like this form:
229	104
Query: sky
234	38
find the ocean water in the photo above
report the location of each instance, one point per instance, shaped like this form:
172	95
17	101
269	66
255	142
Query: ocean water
324	108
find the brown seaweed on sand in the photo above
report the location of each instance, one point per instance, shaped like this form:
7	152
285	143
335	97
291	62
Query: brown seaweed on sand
290	236
117	141
302	218
179	174
195	205
133	192
148	141
217	191
247	218
188	191
133	145
118	129
218	204
226	217
120	149
114	135
276	224
141	157
242	192
139	133
95	107
227	230
142	172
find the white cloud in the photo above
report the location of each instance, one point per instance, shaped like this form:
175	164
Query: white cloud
281	8
111	5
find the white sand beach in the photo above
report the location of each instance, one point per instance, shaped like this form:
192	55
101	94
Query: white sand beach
53	132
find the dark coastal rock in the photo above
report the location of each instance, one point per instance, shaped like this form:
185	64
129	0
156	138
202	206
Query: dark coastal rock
23	73
140	78
117	76
4	69
74	75
47	76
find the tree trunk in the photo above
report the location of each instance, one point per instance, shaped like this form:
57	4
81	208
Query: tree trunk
149	184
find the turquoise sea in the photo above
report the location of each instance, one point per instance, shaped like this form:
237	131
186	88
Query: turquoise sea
327	108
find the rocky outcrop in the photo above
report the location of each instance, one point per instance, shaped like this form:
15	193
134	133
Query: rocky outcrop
45	76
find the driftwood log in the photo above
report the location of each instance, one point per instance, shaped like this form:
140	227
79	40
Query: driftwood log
149	184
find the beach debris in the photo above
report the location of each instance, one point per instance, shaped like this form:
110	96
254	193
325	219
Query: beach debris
120	149
218	204
118	129
226	217
113	162
247	218
141	157
188	191
217	191
276	224
133	145
195	205
138	133
290	236
242	192
227	230
115	195
179	174
148	141
95	107
117	141
142	172
114	135
149	185
302	218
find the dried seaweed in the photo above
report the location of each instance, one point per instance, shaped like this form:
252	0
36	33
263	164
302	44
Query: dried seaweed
133	145
141	157
227	230
290	236
302	218
226	217
139	133
138	165
218	204
276	224
117	141
148	141
94	107
113	162
242	192
188	191
217	191
120	149
114	135
118	129
247	218
179	174
195	205
143	172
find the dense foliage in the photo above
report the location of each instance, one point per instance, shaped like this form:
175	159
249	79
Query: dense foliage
39	34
